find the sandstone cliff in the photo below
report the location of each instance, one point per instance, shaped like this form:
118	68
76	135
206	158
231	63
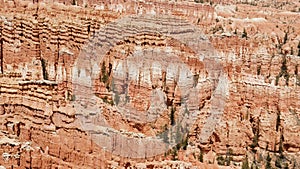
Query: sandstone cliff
232	66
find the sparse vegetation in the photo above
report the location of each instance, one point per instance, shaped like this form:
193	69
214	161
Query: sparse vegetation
256	136
285	39
178	134
280	150
220	159
245	164
44	68
127	98
278	162
104	75
258	69
71	97
1	52
116	98
228	157
186	110
181	138
297	76
227	160
201	156
199	1
283	72
278	121
268	162
277	80
174	151
164	134
217	28
244	34
298	80
184	143
105	100
174	154
255	141
286	166
172	115
195	80
299	48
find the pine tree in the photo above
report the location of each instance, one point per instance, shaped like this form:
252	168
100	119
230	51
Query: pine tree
286	166
278	162
201	156
268	164
281	145
172	115
278	121
285	38
244	35
44	68
235	32
299	48
245	164
104	76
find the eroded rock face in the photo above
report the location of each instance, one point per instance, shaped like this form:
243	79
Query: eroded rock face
242	91
149	71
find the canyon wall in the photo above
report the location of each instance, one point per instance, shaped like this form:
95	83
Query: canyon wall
241	72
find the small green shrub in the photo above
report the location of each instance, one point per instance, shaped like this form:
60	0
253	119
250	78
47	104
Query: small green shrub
105	99
220	159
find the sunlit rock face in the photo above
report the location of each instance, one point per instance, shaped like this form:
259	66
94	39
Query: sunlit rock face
112	84
153	77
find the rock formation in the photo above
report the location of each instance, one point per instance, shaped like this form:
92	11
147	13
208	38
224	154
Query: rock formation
149	84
